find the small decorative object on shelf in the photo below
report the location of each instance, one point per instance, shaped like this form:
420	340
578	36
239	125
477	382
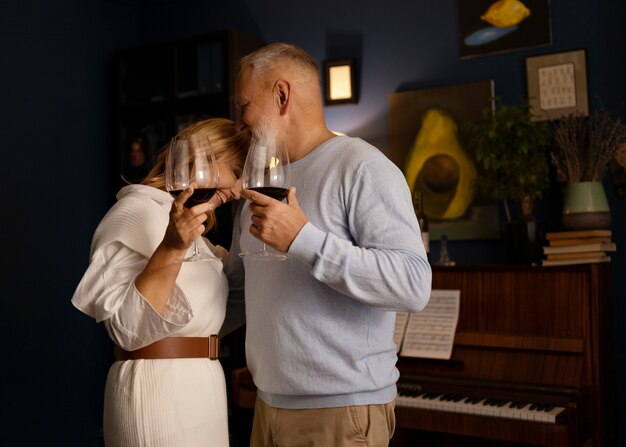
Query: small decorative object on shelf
577	247
444	257
418	205
584	146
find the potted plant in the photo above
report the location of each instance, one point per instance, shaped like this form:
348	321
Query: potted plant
511	151
584	145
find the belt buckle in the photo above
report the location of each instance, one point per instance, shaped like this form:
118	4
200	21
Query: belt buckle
214	347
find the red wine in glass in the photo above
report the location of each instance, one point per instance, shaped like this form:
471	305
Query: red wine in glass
200	195
272	191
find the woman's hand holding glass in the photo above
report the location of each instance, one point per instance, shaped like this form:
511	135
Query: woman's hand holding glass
186	224
191	168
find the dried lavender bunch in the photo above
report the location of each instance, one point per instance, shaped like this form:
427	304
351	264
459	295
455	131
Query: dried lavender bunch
584	145
570	139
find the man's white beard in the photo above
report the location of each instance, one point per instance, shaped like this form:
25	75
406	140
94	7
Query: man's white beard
265	131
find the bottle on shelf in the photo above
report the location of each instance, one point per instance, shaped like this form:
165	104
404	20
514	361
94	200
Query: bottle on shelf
418	206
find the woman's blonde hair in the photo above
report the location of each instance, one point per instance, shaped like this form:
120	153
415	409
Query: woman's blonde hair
230	147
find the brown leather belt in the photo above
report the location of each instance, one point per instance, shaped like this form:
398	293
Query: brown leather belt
174	348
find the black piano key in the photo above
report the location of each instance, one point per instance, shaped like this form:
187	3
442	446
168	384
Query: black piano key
518	404
491	402
410	393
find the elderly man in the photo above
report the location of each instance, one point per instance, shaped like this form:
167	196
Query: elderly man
319	335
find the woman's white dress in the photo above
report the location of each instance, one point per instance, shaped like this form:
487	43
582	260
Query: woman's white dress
154	403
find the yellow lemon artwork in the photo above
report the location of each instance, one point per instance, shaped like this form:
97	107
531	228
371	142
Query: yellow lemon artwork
505	13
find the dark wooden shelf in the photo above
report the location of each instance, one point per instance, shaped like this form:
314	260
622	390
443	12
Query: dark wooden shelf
163	87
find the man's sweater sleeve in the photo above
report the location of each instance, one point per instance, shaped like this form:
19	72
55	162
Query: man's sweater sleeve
385	264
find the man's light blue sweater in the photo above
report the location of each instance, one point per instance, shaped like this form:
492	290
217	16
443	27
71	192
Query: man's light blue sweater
320	324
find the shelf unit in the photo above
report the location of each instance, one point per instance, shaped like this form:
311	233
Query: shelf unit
164	87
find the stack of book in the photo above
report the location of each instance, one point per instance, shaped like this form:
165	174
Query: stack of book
577	247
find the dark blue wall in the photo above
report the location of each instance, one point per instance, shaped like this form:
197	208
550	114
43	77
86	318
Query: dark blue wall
55	133
56	147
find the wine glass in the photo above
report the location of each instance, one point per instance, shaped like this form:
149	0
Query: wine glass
267	171
191	160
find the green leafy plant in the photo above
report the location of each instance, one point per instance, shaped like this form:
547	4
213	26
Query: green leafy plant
511	151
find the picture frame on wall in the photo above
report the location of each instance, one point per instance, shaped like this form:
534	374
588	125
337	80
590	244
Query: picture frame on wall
488	27
428	140
557	84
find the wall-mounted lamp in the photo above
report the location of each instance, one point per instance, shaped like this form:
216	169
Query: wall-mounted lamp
339	82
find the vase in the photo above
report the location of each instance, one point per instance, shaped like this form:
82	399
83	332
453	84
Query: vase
585	207
523	242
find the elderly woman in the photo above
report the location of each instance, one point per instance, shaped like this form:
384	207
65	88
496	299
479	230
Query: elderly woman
166	387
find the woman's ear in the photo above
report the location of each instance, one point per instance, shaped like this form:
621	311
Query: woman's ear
282	90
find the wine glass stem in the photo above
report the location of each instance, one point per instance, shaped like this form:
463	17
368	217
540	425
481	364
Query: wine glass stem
196	252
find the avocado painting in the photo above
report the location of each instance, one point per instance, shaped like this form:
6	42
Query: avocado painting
438	166
428	142
497	26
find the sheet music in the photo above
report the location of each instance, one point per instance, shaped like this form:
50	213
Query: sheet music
430	333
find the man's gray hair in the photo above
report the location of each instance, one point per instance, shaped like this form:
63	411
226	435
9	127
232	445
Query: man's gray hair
267	57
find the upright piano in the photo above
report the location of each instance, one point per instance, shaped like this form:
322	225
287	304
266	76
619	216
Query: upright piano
530	366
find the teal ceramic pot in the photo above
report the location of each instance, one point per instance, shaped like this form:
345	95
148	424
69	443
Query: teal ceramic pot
585	207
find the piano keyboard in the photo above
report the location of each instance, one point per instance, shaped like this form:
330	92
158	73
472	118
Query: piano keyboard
478	406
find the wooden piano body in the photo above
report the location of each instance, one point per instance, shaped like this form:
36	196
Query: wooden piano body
527	334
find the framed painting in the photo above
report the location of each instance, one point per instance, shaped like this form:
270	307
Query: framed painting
490	27
428	141
557	85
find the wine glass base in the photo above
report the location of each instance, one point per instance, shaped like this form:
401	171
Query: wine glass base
199	258
263	256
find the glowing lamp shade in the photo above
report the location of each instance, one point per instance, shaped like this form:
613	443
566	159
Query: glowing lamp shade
339	82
